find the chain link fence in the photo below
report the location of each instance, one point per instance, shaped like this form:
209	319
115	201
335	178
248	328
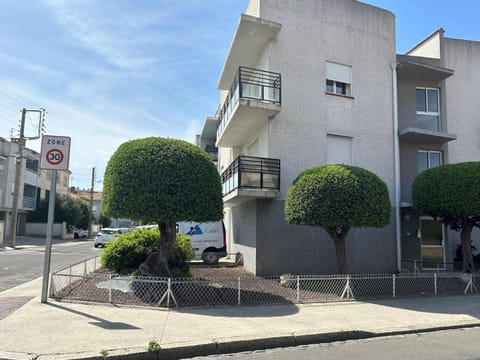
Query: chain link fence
84	281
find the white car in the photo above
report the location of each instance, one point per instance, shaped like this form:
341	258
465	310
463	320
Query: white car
208	239
77	233
107	234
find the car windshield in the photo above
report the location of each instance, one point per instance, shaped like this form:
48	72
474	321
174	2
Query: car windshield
109	231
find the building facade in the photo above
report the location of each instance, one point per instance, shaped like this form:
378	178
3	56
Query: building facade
315	82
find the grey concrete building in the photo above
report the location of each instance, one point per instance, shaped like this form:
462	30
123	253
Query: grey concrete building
309	82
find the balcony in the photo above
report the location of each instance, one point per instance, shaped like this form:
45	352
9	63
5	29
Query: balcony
248	178
422	136
253	98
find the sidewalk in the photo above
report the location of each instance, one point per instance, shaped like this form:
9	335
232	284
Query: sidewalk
30	329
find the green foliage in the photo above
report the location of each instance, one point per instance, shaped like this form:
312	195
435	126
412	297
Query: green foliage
71	210
154	346
103	220
162	181
128	251
449	192
338	196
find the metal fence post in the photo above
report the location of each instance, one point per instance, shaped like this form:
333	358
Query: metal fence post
298	288
393	285
110	288
85	268
238	290
169	285
435	282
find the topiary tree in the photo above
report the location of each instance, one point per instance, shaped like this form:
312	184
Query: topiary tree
336	198
162	181
451	193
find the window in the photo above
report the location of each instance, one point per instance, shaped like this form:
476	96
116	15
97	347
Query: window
338	79
339	150
429	159
428	109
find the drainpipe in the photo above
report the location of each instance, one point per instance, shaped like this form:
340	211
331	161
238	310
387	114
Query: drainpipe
396	161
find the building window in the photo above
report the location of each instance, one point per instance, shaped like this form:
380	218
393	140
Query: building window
339	150
338	79
429	159
428	109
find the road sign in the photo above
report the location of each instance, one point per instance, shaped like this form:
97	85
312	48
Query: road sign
55	152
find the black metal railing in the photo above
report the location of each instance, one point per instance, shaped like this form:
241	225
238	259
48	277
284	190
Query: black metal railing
248	172
250	83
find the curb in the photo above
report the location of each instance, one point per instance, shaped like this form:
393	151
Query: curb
232	345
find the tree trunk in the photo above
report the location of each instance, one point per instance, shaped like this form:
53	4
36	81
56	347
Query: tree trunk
338	236
157	262
466	236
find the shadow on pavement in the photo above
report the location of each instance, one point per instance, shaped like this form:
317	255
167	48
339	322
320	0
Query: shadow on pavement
103	323
454	304
243	310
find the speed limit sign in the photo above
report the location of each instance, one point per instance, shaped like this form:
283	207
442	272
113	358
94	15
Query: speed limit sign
55	152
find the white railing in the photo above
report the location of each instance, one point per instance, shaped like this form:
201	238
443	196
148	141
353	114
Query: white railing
79	283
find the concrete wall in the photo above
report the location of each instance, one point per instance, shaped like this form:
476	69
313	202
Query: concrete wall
299	249
310	36
40	229
244	228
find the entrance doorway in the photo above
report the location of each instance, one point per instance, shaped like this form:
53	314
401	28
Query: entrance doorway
432	242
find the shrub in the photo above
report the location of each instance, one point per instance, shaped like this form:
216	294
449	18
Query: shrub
128	251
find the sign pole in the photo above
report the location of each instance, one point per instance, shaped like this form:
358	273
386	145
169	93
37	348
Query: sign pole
54	155
48	241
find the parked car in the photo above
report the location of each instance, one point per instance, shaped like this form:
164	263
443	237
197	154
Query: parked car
107	234
208	239
77	233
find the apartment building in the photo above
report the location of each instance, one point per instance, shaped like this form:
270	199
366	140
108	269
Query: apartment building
310	82
34	184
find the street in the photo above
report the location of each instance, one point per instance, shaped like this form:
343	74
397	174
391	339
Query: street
26	262
440	345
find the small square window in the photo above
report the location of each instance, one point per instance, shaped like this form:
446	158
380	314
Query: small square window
338	78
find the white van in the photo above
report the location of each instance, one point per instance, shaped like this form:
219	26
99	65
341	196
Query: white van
208	239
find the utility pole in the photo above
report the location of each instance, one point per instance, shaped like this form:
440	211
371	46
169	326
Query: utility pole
18	173
90	207
21	141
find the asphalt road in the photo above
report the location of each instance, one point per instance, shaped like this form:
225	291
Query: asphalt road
439	345
25	263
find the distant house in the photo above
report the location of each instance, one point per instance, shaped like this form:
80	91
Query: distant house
86	196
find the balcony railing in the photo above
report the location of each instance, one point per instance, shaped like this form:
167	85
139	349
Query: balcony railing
250	84
248	172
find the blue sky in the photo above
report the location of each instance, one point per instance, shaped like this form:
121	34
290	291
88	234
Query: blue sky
108	71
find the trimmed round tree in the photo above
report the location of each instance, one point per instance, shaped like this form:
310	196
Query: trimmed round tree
451	194
336	198
162	181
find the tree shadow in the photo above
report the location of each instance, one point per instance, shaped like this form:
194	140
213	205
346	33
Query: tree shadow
103	323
